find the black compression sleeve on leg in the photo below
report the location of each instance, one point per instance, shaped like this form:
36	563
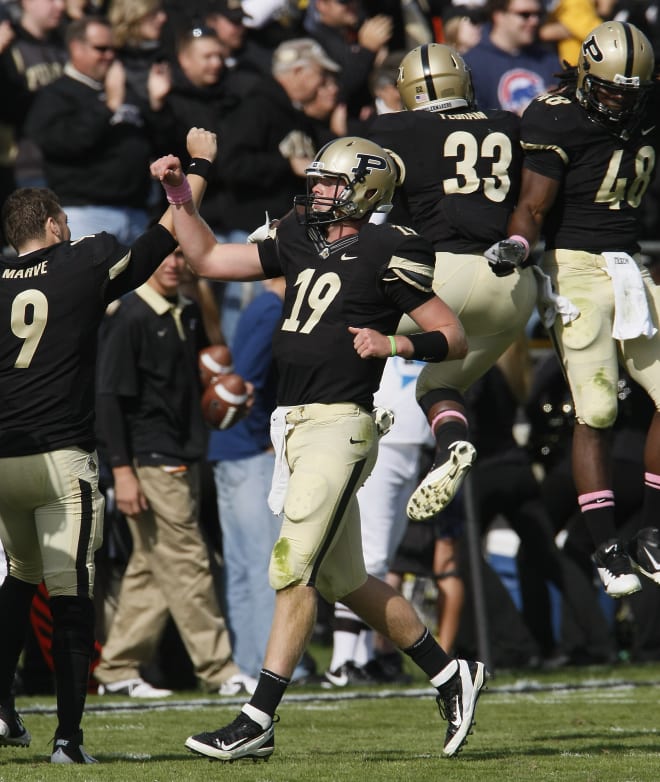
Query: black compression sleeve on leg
428	654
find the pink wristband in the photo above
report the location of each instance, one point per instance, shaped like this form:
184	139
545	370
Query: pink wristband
523	241
178	194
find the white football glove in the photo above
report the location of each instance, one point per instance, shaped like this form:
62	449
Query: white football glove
504	256
264	231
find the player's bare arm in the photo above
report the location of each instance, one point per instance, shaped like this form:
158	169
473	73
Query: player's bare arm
537	195
205	256
432	316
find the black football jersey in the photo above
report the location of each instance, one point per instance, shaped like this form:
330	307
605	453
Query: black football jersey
51	303
602	178
365	280
462	173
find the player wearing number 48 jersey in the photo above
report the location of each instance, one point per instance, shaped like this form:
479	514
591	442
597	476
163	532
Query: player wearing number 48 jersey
590	155
53	297
347	284
462	173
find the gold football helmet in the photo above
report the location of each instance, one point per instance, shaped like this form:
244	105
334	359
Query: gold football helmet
367	172
614	75
435	77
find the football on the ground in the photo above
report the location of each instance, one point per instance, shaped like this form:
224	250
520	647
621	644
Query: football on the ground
214	361
224	402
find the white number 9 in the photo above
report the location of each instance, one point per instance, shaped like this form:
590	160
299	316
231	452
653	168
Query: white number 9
29	314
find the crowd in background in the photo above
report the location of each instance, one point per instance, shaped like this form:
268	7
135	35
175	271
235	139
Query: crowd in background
92	91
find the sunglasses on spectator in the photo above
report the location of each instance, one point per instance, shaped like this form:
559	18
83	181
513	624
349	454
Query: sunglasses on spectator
527	14
100	48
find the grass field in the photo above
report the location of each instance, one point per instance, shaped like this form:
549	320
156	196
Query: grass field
578	725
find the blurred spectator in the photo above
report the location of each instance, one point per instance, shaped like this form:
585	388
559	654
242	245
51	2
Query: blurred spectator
38	55
462	25
382	84
95	140
509	66
203	94
326	109
150	420
137	27
268	143
271	22
355	43
227	18
10	111
570	21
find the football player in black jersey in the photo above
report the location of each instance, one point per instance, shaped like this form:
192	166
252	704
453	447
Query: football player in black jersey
52	300
590	154
347	284
462	173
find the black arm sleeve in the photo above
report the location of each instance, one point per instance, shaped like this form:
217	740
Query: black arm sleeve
147	253
111	429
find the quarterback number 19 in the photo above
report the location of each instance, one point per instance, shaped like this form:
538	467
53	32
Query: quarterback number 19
319	298
29	314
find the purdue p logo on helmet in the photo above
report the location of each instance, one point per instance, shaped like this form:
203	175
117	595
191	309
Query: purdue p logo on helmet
614	75
367	172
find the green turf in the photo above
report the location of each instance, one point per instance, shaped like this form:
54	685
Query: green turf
530	728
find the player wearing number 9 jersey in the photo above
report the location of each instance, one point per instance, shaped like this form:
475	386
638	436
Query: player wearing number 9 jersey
53	297
462	173
590	154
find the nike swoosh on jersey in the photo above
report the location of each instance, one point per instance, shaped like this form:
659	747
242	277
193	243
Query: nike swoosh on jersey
344	257
646	131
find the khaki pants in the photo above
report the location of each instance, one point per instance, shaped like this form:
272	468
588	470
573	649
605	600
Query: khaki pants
168	573
331	450
493	310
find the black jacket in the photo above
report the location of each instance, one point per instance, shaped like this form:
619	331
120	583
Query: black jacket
259	176
92	157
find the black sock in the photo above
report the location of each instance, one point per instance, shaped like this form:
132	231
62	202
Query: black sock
15	601
73	641
428	655
270	691
446	434
651	506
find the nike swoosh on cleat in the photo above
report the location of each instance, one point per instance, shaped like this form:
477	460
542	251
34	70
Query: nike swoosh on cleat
652	559
233	745
456	722
646	131
355	442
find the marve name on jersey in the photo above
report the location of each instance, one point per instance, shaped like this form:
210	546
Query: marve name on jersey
31	271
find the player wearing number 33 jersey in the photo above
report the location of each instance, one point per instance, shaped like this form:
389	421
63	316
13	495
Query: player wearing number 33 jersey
462	177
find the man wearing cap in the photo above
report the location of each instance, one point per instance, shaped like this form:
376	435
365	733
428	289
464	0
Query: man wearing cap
268	142
354	42
226	18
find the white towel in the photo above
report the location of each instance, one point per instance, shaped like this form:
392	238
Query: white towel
631	309
281	473
551	304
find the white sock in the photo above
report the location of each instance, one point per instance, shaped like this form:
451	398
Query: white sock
260	717
445	674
